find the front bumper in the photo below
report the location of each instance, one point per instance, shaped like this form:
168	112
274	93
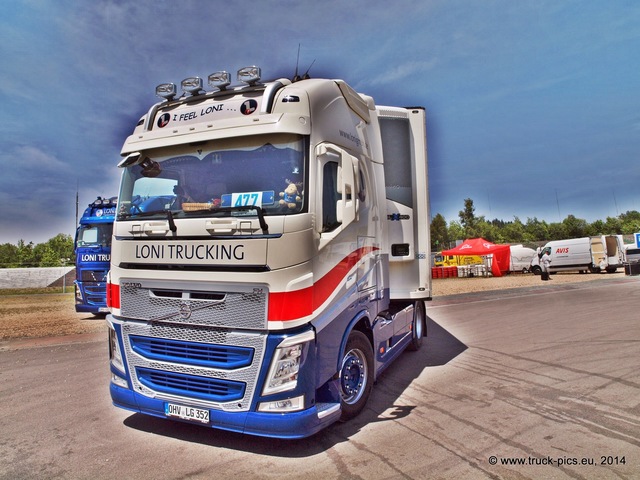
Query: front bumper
287	426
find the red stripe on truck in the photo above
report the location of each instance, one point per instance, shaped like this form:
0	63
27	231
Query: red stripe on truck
286	306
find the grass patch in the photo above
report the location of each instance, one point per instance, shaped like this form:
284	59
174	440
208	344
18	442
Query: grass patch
36	291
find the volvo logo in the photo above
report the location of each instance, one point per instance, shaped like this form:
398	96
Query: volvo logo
185	311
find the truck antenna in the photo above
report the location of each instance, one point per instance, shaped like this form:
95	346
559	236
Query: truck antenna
305	76
295	75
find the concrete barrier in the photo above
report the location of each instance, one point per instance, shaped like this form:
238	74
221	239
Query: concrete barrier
36	277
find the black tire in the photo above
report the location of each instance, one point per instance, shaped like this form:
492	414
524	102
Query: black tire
536	270
418	326
356	375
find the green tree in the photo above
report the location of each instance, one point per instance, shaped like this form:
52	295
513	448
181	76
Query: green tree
557	231
574	227
613	226
630	222
514	232
536	230
439	233
456	232
46	255
25	254
596	228
62	246
9	256
468	219
487	230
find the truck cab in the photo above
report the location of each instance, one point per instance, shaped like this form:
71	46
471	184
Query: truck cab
92	247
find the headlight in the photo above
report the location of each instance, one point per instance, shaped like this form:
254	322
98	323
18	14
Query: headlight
114	351
283	373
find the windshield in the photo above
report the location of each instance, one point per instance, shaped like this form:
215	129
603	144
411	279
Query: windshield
94	235
224	176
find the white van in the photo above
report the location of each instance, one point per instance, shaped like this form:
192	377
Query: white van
566	255
521	258
586	254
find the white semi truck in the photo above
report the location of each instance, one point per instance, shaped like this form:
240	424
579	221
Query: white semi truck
270	254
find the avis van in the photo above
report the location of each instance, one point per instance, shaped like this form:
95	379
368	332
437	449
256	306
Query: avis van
586	254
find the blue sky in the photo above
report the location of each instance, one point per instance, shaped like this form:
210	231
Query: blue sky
533	107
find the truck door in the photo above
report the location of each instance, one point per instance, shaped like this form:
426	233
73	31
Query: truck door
403	133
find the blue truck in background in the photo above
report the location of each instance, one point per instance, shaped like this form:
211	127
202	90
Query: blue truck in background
93	255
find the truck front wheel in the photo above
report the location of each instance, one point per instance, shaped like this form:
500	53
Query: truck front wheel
355	375
418	326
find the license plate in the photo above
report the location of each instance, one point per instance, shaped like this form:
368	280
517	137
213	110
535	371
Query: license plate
186	413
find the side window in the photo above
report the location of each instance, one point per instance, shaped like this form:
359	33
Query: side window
88	236
330	196
396	150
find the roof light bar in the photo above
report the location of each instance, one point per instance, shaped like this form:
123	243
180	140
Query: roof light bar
166	90
219	80
192	85
249	75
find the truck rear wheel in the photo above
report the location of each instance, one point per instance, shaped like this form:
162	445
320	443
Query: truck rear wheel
355	375
418	326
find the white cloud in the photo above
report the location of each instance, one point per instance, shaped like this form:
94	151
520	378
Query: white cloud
28	159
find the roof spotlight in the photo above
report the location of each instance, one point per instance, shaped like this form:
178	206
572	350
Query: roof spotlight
249	75
166	90
192	85
219	80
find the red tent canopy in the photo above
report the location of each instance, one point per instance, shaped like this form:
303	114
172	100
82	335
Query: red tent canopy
480	246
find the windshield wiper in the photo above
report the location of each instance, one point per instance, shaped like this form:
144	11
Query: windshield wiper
141	214
172	224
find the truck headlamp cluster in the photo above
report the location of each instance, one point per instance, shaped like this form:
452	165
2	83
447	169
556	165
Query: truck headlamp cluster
285	365
192	85
104	202
220	80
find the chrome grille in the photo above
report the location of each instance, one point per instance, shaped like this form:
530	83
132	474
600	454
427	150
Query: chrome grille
246	309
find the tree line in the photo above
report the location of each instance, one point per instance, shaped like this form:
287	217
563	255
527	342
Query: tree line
533	232
55	252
